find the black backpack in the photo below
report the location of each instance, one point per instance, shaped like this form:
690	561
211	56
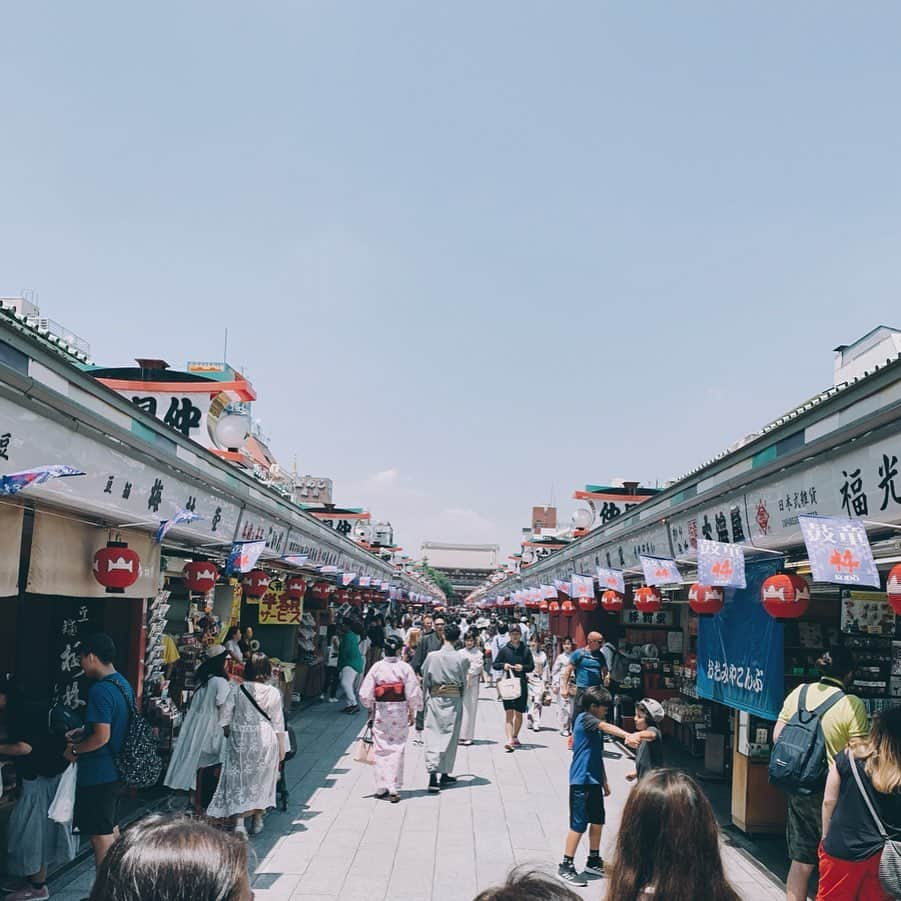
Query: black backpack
138	761
798	763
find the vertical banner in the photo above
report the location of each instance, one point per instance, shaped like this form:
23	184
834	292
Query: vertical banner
721	564
582	587
612	579
839	551
741	649
660	570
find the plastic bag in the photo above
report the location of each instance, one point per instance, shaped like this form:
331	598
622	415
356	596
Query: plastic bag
62	808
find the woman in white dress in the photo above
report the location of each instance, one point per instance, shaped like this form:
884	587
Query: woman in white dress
200	741
564	701
537	685
251	718
476	657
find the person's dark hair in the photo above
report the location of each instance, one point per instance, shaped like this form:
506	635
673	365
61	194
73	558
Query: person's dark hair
661	810
596	695
258	668
473	634
169	858
525	884
392	645
100	645
502	627
212	666
566	638
232	632
452	633
836	662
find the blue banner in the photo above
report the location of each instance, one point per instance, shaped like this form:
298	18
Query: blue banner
660	571
721	564
741	656
839	551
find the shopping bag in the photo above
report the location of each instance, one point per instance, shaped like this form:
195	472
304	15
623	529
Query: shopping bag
509	688
366	747
62	808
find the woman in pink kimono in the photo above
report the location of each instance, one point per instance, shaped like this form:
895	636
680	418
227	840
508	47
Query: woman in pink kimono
392	694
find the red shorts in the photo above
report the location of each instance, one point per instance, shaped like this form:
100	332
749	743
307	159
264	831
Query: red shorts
850	880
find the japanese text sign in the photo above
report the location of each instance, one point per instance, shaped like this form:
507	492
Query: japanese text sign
660	570
582	586
721	564
839	551
277	609
612	579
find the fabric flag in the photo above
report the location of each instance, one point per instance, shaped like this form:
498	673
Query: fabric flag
345	580
363	581
612	579
16	481
244	556
180	518
660	570
547	592
721	564
295	559
838	550
563	586
327	570
582	586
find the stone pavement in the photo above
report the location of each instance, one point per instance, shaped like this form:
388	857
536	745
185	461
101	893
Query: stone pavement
336	841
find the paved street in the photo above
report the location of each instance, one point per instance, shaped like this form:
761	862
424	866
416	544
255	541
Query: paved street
337	841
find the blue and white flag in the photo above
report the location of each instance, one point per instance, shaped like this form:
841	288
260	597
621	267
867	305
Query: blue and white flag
563	586
548	593
363	581
327	570
611	579
295	559
14	482
180	518
244	555
839	551
345	580
660	571
721	564
582	586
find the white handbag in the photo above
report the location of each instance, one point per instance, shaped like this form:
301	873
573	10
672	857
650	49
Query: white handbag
62	808
509	688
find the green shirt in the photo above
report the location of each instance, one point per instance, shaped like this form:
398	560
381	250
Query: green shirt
349	652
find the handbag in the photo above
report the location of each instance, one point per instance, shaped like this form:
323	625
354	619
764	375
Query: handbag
366	747
509	687
62	808
890	862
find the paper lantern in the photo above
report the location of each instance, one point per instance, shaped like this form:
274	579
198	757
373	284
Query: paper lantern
785	596
296	588
321	591
341	596
588	604
553	608
200	576
611	601
706	600
543	607
256	583
567	608
648	600
893	587
116	567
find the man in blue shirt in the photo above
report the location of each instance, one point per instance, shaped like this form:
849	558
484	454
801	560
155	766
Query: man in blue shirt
96	746
590	668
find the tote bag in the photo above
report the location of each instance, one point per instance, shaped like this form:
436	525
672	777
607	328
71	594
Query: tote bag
366	747
509	688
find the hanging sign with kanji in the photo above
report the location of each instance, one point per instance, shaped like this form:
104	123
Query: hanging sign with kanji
839	551
277	609
611	579
721	564
582	586
660	570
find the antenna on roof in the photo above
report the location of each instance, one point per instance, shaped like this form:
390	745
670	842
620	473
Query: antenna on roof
225	348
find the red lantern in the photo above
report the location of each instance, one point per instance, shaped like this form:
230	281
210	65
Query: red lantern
785	596
588	604
543	607
321	591
341	596
893	587
553	608
116	567
706	600
296	588
200	576
648	600
611	601
256	583
567	609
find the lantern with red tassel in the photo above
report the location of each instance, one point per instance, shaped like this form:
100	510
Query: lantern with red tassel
116	567
648	600
256	583
706	600
587	605
893	587
200	576
567	608
296	588
785	596
611	601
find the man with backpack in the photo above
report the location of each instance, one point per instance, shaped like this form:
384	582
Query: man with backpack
817	721
96	746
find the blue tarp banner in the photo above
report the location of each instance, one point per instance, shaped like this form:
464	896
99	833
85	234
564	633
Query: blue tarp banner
741	656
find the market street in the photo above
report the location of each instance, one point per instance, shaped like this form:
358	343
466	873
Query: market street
337	841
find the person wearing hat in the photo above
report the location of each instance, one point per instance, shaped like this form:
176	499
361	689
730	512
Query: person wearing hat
647	738
200	741
515	659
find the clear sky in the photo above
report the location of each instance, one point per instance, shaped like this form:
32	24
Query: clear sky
472	255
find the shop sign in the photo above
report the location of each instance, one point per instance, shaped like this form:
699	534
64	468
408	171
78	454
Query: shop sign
661	618
867	613
721	564
277	609
839	551
72	621
725	523
185	412
257	527
626	554
660	571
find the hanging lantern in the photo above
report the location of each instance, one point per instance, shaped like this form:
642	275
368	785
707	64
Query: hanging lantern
256	583
321	591
648	600
893	587
553	608
296	588
706	600
611	601
200	576
588	604
341	596
116	567
543	607
785	596
567	608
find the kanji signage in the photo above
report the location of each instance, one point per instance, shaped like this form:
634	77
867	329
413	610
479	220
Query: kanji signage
278	609
839	551
611	579
660	571
721	564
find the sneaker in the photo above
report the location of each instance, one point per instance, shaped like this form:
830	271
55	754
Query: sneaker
394	798
434	787
333	700
529	721
30	892
567	872
447	780
594	866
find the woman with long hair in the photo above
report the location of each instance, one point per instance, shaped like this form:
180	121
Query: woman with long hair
650	860
852	843
392	694
409	651
200	741
473	653
537	684
564	701
169	858
251	718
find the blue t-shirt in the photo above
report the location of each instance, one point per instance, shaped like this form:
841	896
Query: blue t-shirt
106	705
589	667
587	767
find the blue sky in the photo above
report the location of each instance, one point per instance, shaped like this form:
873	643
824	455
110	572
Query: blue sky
472	255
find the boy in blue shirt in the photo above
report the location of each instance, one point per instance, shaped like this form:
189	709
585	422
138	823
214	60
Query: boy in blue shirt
587	786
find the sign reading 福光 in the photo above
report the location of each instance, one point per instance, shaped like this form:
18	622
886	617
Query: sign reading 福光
721	564
611	579
839	551
660	570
